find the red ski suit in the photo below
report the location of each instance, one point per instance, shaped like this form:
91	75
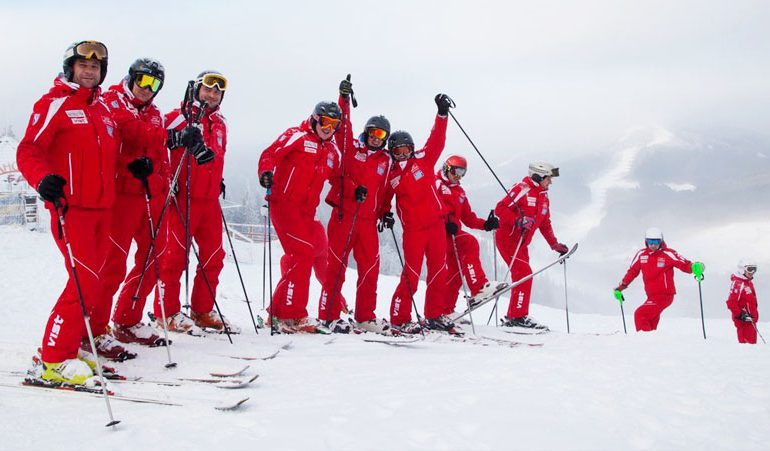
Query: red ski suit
369	168
422	216
129	215
301	163
657	268
71	133
459	211
743	298
205	218
526	198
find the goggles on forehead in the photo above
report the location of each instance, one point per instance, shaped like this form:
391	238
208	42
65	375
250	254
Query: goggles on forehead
457	171
653	241
148	81
751	269
91	49
328	123
377	133
214	80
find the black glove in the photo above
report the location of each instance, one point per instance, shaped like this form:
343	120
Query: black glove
525	223
51	187
745	317
202	154
266	179
492	223
560	248
360	193
451	228
388	221
346	87
222	188
173	139
141	168
443	102
191	137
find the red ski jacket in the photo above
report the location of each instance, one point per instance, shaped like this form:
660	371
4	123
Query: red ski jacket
72	133
413	182
362	166
657	269
526	198
456	204
143	134
300	163
742	296
205	178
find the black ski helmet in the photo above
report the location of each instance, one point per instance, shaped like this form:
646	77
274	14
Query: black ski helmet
85	50
380	122
400	138
199	81
147	66
324	108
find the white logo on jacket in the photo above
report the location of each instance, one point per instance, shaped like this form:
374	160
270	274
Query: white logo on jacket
77	116
311	147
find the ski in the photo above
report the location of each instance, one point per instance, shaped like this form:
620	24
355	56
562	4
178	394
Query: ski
222	383
393	341
86	391
233	374
515	284
511	343
519	331
231	407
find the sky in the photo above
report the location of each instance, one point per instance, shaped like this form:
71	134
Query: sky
537	80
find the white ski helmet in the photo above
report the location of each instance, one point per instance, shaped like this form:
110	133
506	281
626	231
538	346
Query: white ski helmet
745	263
653	233
539	170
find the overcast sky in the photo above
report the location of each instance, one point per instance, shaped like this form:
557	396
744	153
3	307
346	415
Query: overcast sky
539	80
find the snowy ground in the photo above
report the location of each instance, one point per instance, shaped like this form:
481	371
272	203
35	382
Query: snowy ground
666	390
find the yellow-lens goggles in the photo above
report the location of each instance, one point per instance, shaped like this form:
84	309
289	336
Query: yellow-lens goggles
91	49
148	81
214	80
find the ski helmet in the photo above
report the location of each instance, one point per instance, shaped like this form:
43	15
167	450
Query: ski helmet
85	50
400	138
325	109
149	67
210	79
380	123
539	170
746	265
653	233
455	164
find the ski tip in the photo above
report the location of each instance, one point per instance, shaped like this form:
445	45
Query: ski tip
231	406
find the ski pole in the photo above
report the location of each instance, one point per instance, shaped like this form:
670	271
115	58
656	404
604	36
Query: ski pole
264	257
702	322
619	296
270	261
238	267
343	264
462	281
187	242
86	319
206	279
406	279
158	283
566	302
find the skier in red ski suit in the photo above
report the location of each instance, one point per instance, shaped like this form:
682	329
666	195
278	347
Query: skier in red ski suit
522	211
361	188
302	159
68	154
656	262
141	160
459	212
742	302
205	226
422	216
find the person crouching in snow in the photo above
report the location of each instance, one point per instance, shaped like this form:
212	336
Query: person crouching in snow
459	211
656	262
742	302
522	211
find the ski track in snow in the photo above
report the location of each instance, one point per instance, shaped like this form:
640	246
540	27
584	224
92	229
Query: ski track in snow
665	390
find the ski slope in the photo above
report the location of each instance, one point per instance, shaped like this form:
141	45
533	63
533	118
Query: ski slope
665	390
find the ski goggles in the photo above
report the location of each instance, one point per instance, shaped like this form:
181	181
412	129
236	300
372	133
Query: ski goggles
653	241
148	81
89	49
401	150
751	269
377	133
457	171
212	80
328	123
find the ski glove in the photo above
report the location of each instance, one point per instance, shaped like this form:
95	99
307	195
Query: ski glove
561	248
191	137
492	223
451	228
222	188
619	295
172	142
443	102
388	221
697	270
745	317
202	154
266	179
141	168
525	223
360	193
346	87
51	187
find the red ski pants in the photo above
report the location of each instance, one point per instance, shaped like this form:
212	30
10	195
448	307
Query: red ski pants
647	316
365	247
87	231
429	243
206	233
320	248
473	273
747	332
520	295
129	222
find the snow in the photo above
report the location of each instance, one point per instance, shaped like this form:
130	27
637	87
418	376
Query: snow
664	390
